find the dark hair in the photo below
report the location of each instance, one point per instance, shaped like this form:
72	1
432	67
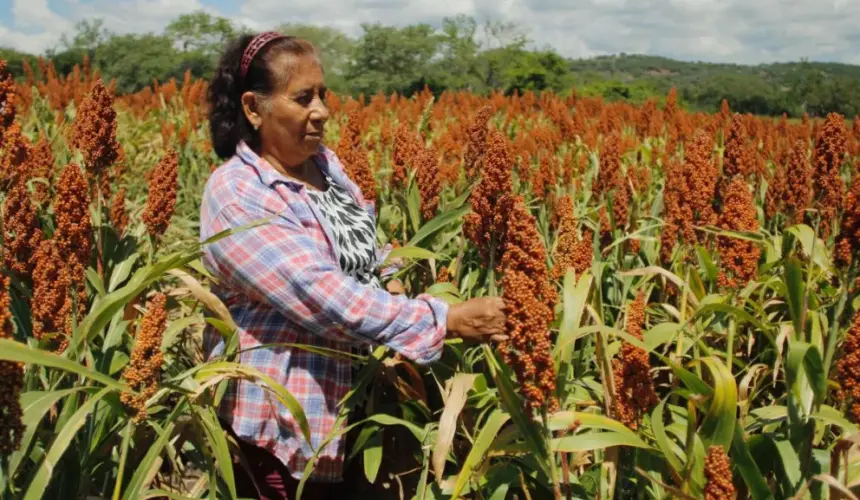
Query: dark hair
227	121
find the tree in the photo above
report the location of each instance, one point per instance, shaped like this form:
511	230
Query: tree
458	54
390	59
200	32
135	60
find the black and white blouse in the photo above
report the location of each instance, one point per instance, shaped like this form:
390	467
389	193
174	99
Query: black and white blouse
353	229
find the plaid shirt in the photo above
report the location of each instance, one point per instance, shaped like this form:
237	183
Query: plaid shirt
282	284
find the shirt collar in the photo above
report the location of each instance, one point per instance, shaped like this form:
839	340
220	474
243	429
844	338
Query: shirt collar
268	174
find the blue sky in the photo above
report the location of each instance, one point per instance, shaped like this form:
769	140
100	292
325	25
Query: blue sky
743	31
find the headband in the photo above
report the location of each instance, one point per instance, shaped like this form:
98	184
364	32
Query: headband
256	44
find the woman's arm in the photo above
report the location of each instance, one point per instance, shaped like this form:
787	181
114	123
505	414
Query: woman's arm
278	262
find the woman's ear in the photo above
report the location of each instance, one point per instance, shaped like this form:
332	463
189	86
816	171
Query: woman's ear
251	108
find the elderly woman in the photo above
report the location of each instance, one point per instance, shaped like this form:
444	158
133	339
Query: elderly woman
307	275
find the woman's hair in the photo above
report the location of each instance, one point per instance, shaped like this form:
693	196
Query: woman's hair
227	121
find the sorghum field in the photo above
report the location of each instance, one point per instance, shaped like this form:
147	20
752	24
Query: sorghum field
683	291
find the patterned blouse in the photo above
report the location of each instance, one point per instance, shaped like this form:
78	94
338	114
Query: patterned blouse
283	284
354	231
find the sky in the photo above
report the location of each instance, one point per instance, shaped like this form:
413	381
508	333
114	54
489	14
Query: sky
738	31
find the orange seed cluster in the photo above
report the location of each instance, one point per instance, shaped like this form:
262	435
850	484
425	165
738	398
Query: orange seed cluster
739	257
11	383
848	370
634	388
530	298
161	200
718	475
144	368
827	182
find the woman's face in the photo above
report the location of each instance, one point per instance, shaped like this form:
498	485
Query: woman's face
292	120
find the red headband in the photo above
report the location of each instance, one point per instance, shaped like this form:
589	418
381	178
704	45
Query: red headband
256	44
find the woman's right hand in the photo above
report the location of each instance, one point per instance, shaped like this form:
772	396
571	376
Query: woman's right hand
481	319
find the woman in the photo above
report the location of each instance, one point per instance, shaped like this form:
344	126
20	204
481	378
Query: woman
309	274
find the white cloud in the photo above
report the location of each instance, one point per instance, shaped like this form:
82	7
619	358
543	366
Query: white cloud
740	31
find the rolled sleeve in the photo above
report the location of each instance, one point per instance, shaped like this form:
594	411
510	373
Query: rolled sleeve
277	263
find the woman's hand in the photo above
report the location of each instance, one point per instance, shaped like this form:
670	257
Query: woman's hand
395	287
480	319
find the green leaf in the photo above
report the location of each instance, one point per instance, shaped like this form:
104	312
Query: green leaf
790	464
479	450
439	222
115	301
411	252
575	295
594	441
219	447
122	271
457	390
663	441
512	403
373	457
11	350
795	291
739	314
144	468
63	439
661	334
718	426
805	364
236	370
743	460
832	416
34	406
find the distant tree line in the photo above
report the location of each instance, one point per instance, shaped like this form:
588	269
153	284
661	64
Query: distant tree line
461	54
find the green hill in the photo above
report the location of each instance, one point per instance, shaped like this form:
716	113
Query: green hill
814	87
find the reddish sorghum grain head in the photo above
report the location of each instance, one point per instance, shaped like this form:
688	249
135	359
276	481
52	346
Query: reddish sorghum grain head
94	131
777	188
848	241
701	175
530	299
407	148
41	167
718	475
634	389
16	153
118	213
798	194
429	183
7	100
161	200
11	382
827	182
359	170
143	372
486	221
73	233
621	201
610	166
476	142
52	304
22	233
738	257
571	251
848	370
737	159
